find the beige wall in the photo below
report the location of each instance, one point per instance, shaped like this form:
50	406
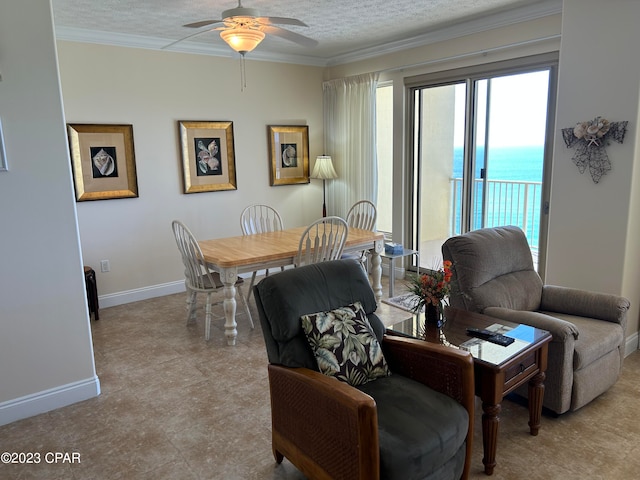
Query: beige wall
140	88
152	91
46	356
593	228
45	342
524	39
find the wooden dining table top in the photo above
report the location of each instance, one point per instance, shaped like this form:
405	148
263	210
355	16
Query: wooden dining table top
271	246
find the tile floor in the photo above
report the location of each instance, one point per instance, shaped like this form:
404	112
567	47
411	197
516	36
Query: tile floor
176	407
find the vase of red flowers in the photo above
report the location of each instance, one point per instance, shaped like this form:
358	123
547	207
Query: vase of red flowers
431	290
434	314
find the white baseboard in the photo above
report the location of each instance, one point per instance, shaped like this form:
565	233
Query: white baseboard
48	400
160	290
399	272
144	293
137	294
631	344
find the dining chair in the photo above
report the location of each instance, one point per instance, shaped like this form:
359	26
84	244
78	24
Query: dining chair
323	240
198	278
259	218
363	215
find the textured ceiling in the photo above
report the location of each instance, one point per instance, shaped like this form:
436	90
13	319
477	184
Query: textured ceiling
343	28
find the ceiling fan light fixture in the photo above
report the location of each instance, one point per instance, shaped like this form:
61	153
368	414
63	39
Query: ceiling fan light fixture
242	40
240	11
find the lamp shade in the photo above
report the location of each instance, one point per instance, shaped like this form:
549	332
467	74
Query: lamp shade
323	168
242	40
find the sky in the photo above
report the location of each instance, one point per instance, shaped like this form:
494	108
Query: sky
518	110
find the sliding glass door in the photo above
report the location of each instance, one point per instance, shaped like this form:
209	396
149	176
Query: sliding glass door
479	144
437	168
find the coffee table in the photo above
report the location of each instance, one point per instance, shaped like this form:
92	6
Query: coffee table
498	370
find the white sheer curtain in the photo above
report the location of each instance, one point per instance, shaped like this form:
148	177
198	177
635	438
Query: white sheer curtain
350	139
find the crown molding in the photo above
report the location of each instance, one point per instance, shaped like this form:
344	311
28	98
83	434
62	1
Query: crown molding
503	19
489	22
81	35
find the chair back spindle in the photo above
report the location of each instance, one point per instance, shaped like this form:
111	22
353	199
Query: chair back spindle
322	241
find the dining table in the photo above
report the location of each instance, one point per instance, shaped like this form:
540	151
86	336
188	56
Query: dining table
231	256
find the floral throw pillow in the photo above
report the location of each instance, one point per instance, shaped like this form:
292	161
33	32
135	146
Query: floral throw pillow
345	345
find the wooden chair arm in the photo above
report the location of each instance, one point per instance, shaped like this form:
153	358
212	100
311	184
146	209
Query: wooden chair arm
444	369
318	417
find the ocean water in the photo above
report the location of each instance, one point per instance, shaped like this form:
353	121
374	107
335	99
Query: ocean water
509	201
507	163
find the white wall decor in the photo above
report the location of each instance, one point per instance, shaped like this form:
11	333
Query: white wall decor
590	138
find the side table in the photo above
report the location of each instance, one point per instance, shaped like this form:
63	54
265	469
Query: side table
498	370
392	264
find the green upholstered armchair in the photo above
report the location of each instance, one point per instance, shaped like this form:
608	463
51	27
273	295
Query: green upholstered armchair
416	423
493	274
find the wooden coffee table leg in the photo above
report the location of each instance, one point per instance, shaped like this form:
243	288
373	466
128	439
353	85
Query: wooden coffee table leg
536	394
490	423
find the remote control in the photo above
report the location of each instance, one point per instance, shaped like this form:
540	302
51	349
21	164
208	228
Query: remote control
479	333
500	339
490	336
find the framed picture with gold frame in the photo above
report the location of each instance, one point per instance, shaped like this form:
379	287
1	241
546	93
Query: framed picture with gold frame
103	161
208	156
288	154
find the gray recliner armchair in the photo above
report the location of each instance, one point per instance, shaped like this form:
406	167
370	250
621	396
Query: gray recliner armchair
416	423
493	274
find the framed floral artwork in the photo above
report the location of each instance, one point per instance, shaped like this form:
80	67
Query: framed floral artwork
288	154
208	156
103	161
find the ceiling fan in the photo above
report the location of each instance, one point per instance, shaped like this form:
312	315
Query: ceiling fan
244	28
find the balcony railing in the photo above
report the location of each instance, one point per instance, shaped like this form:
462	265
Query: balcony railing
508	202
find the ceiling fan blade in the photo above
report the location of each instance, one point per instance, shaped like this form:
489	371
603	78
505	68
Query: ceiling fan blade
281	21
202	23
289	35
188	36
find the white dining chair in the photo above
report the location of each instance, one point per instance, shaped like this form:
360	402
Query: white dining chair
322	241
198	278
259	218
363	215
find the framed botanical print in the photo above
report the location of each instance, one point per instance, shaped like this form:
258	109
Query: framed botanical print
288	154
103	161
208	156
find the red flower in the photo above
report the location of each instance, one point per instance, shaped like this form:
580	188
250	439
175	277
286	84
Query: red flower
431	287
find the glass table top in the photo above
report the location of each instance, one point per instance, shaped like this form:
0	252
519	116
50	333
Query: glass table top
454	334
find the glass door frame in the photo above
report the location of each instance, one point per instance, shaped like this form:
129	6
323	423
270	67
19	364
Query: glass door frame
468	75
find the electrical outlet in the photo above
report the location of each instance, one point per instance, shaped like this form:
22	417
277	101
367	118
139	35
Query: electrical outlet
104	266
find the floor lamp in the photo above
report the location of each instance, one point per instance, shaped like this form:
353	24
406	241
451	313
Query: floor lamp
323	169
